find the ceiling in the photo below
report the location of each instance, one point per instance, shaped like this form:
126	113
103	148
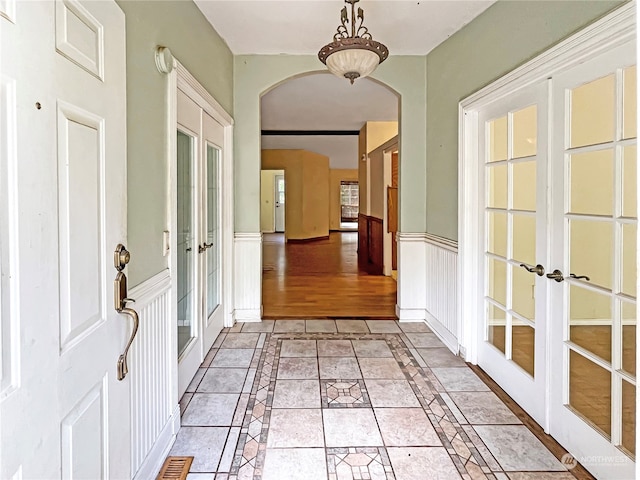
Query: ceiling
302	27
322	101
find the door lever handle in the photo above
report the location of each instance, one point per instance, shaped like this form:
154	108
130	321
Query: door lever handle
579	277
120	301
556	275
123	369
538	269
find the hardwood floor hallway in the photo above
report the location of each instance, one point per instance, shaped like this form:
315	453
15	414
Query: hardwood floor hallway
321	279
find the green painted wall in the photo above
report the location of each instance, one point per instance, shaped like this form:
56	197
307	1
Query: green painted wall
505	36
254	75
179	25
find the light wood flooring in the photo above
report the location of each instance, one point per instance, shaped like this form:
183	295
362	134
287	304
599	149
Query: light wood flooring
320	279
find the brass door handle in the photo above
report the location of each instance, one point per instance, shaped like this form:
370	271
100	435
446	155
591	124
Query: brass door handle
579	277
120	299
123	369
556	275
204	246
538	269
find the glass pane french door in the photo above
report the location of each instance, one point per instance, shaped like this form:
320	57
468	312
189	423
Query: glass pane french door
200	142
513	150
213	231
187	246
593	298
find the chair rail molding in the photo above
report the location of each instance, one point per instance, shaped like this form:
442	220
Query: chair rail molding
247	277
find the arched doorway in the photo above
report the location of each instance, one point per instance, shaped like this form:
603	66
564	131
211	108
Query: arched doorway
331	143
254	76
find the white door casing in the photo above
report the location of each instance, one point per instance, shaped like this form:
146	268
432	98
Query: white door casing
194	111
602	37
63	411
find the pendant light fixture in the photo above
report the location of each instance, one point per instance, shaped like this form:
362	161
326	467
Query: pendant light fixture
353	55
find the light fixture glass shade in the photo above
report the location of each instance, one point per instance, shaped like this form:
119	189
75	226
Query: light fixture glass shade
353	60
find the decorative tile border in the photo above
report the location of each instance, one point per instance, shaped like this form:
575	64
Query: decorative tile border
468	453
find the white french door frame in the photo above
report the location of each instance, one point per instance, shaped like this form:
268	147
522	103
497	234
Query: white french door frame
529	392
180	78
613	30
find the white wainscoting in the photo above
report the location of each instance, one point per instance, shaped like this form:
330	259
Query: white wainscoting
247	301
441	262
411	277
155	417
428	284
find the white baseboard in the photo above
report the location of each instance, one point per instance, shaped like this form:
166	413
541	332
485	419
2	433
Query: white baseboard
442	333
410	314
247	315
161	448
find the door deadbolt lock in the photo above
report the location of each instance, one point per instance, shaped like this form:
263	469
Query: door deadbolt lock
121	257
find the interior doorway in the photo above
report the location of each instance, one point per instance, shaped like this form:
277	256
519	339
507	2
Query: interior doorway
201	228
279	201
557	223
336	179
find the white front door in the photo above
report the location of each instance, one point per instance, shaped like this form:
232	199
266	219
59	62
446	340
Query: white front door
593	248
513	146
279	202
200	144
64	413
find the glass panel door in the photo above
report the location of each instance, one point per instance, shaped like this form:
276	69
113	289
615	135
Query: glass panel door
513	148
213	231
594	249
187	247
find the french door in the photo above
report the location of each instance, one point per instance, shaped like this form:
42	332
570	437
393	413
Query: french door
199	313
513	146
559	216
593	253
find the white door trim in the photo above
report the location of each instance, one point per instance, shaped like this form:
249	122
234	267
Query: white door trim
609	32
613	30
181	78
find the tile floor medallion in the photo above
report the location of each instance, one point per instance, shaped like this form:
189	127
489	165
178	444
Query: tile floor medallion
394	416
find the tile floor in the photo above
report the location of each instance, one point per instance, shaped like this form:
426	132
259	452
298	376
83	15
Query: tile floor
349	400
